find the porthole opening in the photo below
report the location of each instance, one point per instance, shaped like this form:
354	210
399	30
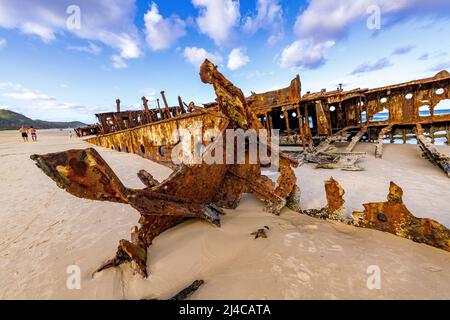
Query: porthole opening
409	96
332	108
383	100
440	91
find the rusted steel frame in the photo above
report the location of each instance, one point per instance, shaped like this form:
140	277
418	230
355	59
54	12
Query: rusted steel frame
392	216
232	102
431	152
355	140
166	105
379	145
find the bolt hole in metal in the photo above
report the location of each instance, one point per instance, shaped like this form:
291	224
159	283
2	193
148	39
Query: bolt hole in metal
162	151
142	148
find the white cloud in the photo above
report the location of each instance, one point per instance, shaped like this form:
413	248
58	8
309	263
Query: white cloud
4	107
270	17
118	62
29	95
110	22
196	56
90	48
217	18
304	55
2	43
26	100
162	33
63	85
16	91
237	59
323	21
150	94
330	20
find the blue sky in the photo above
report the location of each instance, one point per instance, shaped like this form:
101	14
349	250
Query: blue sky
67	59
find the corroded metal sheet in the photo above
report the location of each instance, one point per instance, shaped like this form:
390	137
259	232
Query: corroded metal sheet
392	216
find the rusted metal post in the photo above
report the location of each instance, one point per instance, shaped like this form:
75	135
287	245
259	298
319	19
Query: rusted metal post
118	105
300	127
180	103
166	105
145	103
161	114
286	119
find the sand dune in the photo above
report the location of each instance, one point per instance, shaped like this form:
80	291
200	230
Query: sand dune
43	230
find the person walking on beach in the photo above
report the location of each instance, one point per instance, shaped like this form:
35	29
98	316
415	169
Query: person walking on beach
33	134
24	132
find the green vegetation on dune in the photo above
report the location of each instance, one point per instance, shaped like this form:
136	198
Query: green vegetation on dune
10	120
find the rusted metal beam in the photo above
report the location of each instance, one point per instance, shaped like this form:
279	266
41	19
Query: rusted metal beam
431	152
356	139
180	103
166	105
379	145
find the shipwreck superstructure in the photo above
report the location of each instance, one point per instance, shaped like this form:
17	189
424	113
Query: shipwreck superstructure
314	121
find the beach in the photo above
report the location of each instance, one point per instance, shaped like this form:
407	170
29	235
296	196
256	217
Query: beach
44	230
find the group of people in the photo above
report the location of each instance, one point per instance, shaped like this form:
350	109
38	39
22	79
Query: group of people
24	131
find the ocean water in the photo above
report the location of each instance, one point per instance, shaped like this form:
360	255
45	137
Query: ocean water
383	116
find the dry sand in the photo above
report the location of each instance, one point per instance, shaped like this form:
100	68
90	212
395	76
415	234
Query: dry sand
43	230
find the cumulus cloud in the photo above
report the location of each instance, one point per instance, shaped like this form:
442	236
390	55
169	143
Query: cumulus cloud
269	16
90	48
403	50
369	67
237	59
217	18
196	56
162	33
110	22
304	54
325	20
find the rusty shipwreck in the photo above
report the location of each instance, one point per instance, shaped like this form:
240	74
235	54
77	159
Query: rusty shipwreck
202	190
